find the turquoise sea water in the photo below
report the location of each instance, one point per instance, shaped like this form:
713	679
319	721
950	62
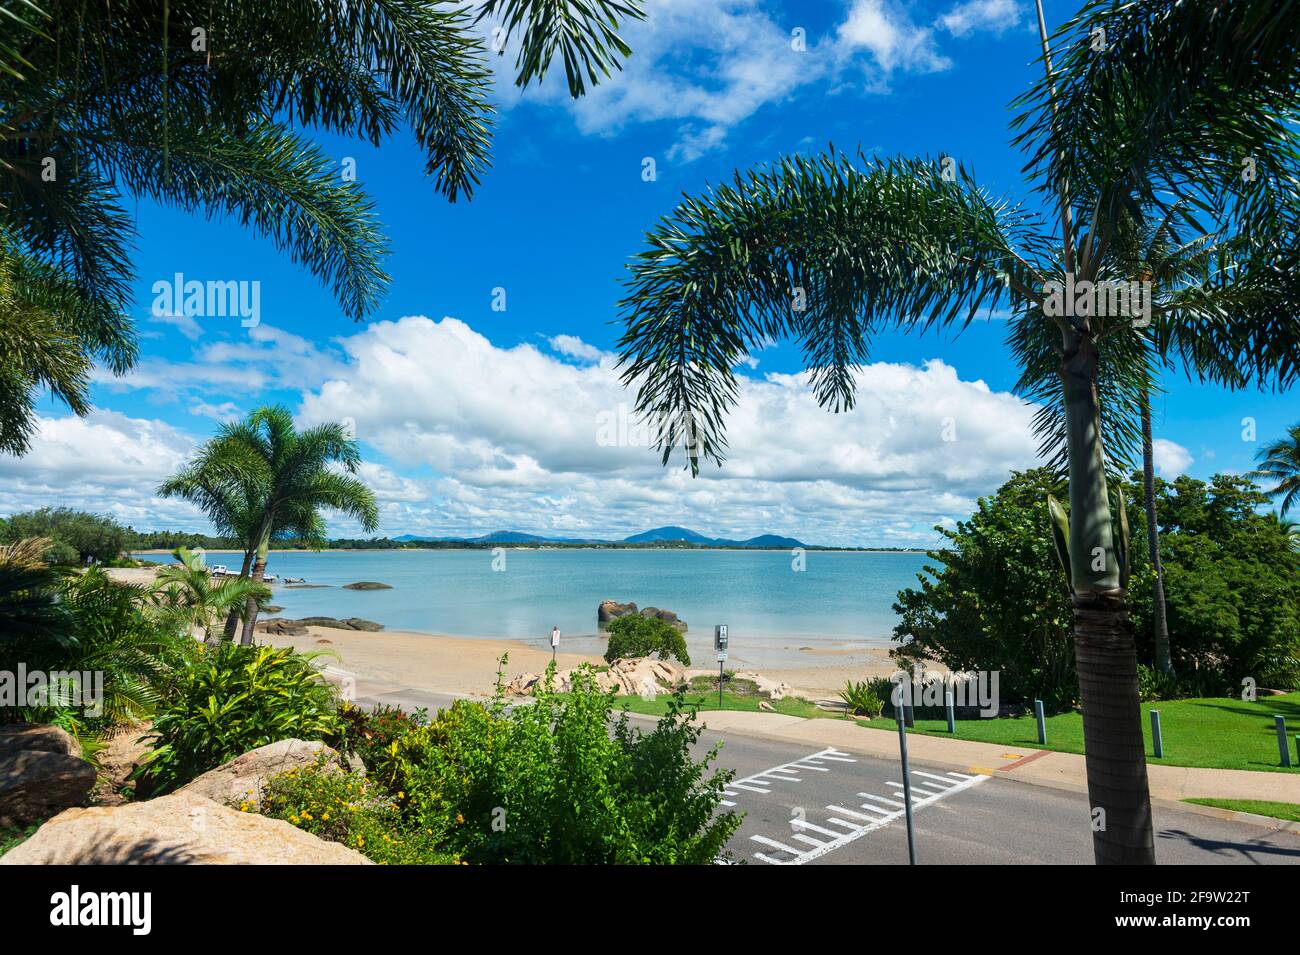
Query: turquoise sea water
840	600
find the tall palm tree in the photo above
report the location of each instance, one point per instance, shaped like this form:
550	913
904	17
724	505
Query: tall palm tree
207	105
1279	463
190	592
273	481
831	250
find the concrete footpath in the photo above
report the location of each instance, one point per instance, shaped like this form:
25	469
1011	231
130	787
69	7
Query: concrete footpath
1037	767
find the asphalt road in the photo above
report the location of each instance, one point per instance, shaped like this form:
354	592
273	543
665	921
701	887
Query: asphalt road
836	807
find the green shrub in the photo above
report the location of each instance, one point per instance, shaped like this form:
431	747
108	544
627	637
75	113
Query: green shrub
638	636
76	535
233	698
549	783
861	700
369	734
344	807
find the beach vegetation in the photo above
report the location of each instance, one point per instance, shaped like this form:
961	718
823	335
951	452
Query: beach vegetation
261	479
198	599
861	699
230	699
636	635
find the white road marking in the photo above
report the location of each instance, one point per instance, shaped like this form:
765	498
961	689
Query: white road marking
762	782
820	848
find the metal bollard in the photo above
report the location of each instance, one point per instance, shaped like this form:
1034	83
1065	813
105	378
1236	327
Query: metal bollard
952	715
1283	750
1042	722
1157	741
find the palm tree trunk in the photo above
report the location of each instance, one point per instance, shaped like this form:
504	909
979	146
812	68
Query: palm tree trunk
250	606
1159	615
1103	637
232	619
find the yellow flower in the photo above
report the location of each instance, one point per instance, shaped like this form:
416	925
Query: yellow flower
459	819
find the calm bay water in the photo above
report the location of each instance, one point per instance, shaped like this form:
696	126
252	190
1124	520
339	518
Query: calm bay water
841	600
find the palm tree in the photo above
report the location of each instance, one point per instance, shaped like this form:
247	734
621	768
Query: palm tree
29	593
1279	463
190	592
270	481
831	250
206	105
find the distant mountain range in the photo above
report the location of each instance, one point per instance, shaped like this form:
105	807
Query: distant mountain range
670	534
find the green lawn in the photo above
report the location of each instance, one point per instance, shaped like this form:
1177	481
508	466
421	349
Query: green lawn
1260	807
1215	733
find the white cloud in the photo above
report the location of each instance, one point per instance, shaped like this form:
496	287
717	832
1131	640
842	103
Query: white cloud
1170	459
708	65
894	41
575	347
997	16
105	462
521	439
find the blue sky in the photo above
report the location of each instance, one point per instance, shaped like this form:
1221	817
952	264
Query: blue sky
475	419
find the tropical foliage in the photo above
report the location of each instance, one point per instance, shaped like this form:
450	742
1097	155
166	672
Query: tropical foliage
208	107
861	699
261	479
231	699
635	635
995	598
1279	465
196	597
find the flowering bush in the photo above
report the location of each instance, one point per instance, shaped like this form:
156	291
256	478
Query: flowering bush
344	807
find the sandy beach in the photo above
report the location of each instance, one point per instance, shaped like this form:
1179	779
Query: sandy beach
468	665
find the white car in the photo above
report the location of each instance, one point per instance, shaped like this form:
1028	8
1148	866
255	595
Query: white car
219	570
270	578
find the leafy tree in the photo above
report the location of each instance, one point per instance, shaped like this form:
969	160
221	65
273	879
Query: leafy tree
261	479
82	535
830	251
995	599
207	106
1280	465
635	635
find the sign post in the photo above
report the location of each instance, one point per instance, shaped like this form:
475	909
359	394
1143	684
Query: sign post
555	641
720	645
907	780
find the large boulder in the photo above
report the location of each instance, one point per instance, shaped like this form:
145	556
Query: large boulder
23	737
347	623
183	828
244	777
282	627
367	585
35	784
612	610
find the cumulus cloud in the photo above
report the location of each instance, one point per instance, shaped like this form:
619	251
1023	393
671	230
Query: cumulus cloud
521	439
1170	459
575	347
105	462
996	16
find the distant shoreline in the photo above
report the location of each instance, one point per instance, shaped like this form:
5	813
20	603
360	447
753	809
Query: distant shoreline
518	546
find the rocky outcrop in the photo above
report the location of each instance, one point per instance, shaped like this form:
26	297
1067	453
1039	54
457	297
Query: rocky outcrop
36	784
367	585
774	689
25	737
183	828
610	610
641	676
244	777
